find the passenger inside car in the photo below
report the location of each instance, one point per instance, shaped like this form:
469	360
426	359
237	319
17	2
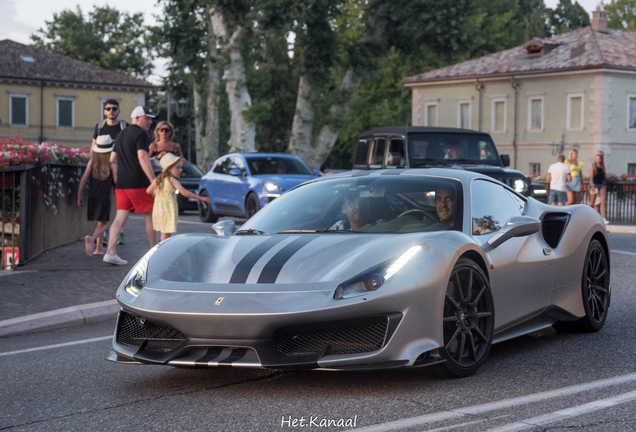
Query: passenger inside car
356	210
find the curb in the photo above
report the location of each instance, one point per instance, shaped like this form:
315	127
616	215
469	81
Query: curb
67	317
621	229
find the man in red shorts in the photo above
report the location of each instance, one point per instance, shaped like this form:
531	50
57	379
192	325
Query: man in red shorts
134	175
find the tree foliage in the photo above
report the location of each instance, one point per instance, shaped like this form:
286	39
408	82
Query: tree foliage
621	14
567	16
106	38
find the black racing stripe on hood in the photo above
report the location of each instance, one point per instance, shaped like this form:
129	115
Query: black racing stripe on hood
242	270
210	355
272	268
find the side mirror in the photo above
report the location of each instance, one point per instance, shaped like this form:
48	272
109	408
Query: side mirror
236	173
318	173
224	228
516	226
505	159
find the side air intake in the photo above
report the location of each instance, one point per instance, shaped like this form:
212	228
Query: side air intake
553	227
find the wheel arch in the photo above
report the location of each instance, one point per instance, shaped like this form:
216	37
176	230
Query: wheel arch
478	259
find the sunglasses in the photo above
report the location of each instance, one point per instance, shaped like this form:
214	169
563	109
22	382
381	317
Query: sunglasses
111	109
165	130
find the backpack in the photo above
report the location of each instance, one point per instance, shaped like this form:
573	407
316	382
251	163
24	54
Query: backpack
122	124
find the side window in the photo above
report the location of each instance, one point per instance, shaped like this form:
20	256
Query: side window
378	151
396	153
219	168
491	206
362	153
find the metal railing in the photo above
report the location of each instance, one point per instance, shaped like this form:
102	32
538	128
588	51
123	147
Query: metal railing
620	203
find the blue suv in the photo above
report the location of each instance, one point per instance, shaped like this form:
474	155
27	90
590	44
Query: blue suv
240	184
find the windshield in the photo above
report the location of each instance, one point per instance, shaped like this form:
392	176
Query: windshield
368	204
427	149
261	165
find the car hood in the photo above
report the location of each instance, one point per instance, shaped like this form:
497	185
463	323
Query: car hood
286	261
287	181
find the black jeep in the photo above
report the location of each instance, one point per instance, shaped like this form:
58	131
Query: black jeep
426	147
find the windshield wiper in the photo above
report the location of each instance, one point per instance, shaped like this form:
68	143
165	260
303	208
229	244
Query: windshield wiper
250	231
314	231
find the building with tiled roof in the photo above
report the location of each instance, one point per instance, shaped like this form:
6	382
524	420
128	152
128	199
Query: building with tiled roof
46	96
543	98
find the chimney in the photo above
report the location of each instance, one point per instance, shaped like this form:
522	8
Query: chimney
599	21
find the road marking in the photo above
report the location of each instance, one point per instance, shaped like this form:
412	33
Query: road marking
493	406
623	252
567	413
97	339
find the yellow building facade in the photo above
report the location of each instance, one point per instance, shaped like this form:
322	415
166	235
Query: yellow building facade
48	97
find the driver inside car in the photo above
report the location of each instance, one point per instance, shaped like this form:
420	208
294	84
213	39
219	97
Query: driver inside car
356	210
446	204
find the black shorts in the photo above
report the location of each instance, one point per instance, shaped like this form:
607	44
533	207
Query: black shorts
98	209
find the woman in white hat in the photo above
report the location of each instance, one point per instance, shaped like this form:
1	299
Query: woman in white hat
100	175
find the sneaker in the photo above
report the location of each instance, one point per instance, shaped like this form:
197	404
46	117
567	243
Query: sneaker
114	259
606	221
121	240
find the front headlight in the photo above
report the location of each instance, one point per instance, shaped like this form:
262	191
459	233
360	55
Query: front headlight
272	187
520	186
137	277
373	279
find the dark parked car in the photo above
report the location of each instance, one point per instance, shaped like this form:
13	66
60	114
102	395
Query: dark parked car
190	178
425	147
240	184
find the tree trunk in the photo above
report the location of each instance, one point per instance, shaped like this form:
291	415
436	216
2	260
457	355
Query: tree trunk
303	125
206	118
242	131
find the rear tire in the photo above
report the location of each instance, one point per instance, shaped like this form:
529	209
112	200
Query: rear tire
252	205
468	321
205	210
595	292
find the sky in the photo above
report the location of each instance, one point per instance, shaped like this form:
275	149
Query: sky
20	18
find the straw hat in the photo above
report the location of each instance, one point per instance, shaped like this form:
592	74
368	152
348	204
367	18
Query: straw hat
167	160
103	144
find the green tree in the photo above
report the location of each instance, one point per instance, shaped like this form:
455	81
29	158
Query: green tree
106	38
567	16
535	17
621	14
501	26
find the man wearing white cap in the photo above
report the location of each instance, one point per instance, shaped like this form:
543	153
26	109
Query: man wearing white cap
134	175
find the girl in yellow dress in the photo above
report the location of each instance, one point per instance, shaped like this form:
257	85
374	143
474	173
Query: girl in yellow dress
166	210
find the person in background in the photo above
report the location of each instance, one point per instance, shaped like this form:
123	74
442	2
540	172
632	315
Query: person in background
166	209
162	144
559	176
597	184
574	186
134	175
100	175
111	125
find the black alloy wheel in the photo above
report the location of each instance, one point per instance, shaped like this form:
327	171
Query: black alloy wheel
205	210
468	321
251	205
595	290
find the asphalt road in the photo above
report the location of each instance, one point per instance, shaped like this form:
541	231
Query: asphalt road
546	381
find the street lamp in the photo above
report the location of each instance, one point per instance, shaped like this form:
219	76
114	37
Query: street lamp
179	107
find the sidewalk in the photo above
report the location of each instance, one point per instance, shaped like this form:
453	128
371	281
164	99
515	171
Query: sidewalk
64	287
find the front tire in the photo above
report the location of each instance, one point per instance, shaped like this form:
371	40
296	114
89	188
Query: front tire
468	321
205	210
251	205
595	291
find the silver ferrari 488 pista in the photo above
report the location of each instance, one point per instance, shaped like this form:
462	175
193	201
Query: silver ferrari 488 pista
368	269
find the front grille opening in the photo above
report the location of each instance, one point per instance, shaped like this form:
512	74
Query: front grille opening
350	336
553	227
133	331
